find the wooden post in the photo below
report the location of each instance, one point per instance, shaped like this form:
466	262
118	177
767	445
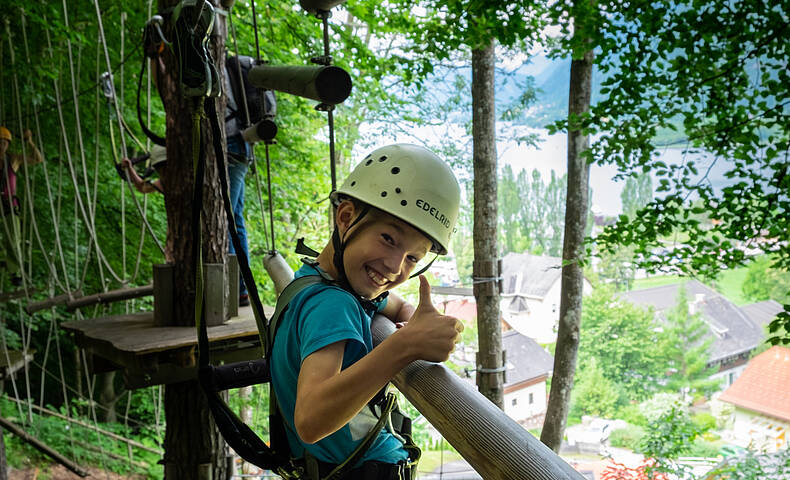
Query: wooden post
214	286
233	285
163	294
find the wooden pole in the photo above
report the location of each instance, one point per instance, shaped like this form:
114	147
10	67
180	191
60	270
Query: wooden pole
109	297
41	447
494	444
34	307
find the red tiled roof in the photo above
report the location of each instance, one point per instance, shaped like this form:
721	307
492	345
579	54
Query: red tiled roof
764	386
462	309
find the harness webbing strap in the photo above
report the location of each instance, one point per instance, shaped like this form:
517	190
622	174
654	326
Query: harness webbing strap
244	262
236	433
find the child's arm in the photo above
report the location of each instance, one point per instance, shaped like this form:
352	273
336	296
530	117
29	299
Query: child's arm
327	397
398	310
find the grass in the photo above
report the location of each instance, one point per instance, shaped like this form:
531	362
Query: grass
657	281
431	459
728	283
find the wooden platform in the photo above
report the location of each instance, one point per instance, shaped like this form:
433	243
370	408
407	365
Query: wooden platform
151	355
13	361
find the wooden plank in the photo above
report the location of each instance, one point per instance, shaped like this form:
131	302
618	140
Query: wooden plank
214	293
135	333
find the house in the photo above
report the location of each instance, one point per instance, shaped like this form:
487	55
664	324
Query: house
762	313
761	396
531	295
733	333
527	367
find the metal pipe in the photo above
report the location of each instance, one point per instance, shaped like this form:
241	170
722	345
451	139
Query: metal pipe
326	84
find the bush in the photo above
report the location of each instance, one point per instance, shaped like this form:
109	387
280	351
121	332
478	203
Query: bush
628	437
632	414
703	448
704	421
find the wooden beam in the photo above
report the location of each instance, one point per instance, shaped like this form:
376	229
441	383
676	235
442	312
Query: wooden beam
109	297
34	307
43	448
494	444
8	296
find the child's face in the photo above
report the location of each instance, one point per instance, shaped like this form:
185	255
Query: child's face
382	254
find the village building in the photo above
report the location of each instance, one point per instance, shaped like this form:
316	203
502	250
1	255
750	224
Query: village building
733	332
531	295
761	397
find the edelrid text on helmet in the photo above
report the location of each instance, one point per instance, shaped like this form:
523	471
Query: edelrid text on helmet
411	183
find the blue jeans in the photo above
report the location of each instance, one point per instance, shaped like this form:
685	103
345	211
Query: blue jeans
236	173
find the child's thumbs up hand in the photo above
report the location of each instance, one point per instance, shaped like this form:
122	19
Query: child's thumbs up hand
432	336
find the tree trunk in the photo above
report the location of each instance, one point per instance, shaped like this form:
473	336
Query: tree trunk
489	378
194	449
572	252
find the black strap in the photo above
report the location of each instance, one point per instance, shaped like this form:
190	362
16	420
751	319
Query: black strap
148	133
237	434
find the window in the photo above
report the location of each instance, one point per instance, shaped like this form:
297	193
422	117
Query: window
531	399
514	402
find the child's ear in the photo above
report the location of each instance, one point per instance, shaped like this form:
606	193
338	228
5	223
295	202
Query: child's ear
344	215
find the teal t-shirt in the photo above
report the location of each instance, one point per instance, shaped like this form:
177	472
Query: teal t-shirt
318	316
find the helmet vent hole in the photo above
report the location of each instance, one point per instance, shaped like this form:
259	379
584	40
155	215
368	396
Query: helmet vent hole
397	189
353	183
383	194
404	202
395	170
368	162
382	158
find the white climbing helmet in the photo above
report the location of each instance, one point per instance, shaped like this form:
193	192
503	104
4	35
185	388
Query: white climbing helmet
411	183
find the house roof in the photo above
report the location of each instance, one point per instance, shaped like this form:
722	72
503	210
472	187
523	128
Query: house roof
464	309
525	359
762	313
732	330
537	274
764	386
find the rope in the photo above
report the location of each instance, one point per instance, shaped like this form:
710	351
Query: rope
119	116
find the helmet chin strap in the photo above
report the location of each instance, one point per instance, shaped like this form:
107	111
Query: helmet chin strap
339	247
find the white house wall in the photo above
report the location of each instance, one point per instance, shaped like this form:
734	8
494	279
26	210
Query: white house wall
518	406
758	432
542	317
